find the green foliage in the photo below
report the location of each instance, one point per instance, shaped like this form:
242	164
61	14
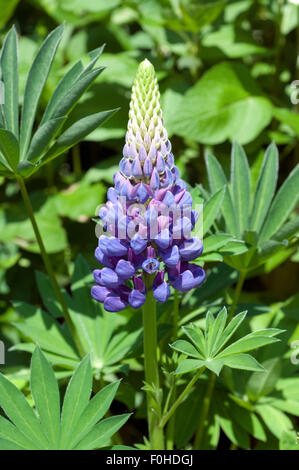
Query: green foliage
206	349
81	424
261	223
107	339
210	112
25	154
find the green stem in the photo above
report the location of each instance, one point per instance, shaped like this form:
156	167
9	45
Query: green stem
204	411
150	345
171	425
176	303
238	290
48	265
178	401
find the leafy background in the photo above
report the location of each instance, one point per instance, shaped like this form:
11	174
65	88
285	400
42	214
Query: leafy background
225	71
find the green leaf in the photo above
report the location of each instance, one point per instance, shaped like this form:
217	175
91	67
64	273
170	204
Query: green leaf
93	412
77	132
41	328
71	87
244	362
47	294
45	393
217	331
80	200
234	247
9	66
229	331
20	413
240	180
232	40
188	365
231	428
9	147
214	365
61	90
186	348
102	432
248	421
265	188
282	206
209	329
247	343
276	421
11	433
211	209
196	336
69	100
212	110
196	16
7	10
216	241
75	400
288	230
287	117
5	444
43	137
262	384
288	441
36	80
217	179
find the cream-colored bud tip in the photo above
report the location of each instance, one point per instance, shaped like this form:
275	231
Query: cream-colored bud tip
145	66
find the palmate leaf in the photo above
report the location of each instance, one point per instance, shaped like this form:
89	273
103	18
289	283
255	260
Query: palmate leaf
206	349
79	426
20	152
108	339
263	225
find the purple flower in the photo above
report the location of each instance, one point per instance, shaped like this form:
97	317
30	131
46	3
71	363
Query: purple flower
148	218
186	276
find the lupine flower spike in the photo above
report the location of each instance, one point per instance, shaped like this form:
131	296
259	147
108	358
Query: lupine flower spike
148	217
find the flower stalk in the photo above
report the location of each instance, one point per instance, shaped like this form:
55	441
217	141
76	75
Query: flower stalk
150	346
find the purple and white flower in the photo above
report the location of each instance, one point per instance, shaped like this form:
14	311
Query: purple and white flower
148	217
